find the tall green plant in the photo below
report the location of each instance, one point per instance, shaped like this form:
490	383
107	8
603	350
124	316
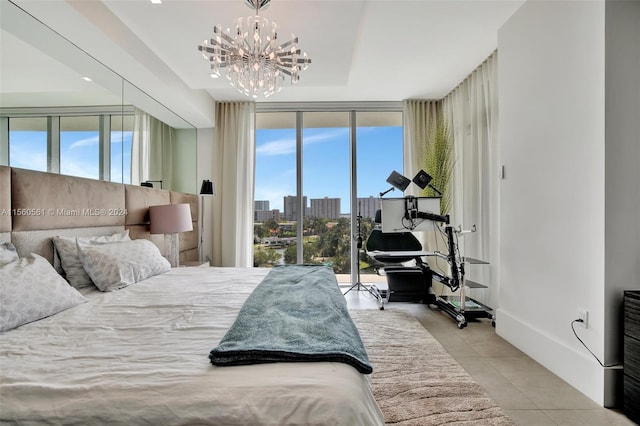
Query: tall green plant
438	162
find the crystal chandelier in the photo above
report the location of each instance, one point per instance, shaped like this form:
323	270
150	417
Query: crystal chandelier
255	62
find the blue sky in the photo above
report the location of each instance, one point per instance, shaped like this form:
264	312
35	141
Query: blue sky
79	153
326	163
326	160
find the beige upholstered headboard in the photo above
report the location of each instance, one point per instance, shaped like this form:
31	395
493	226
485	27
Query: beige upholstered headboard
35	206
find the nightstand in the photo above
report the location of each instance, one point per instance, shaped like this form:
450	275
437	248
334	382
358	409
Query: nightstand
632	355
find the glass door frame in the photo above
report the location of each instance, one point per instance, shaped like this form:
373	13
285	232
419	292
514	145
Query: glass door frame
353	108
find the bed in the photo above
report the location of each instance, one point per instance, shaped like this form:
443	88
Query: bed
141	354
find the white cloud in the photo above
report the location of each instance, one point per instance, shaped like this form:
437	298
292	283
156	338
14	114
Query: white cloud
77	168
288	145
25	157
277	147
85	142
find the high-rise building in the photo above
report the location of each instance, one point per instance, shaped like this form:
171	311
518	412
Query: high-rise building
325	208
265	215
367	206
261	205
291	206
261	211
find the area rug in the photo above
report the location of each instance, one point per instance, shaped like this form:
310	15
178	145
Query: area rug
415	381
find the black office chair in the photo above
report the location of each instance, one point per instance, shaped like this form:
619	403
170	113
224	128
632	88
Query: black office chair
406	283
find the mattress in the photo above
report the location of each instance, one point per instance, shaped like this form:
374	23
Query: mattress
140	356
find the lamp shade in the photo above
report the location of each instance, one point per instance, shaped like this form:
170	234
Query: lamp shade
207	188
170	218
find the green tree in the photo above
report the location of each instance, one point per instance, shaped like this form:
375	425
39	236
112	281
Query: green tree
265	257
270	225
291	253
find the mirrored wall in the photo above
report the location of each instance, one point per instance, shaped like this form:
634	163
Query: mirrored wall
64	112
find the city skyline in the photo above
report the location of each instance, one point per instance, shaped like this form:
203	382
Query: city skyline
367	207
326	163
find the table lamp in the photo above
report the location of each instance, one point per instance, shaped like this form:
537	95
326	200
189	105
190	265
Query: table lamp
169	220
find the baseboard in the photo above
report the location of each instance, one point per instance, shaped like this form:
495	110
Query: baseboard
579	370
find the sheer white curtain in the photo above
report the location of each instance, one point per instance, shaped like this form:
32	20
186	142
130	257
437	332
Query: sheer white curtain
233	174
472	110
418	117
140	144
161	148
152	148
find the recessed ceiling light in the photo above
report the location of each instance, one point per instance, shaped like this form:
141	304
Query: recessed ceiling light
86	79
156	1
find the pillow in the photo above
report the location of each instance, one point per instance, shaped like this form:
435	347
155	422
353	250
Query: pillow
67	250
8	253
30	289
116	265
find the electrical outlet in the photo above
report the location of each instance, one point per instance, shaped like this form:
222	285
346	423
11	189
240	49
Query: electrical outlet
582	314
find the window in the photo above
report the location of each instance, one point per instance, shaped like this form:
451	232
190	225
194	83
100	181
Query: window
94	146
121	138
80	146
28	143
275	206
305	173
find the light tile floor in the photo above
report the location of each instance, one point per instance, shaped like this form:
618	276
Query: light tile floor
529	393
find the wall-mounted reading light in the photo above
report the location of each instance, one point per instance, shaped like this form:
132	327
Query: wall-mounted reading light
149	183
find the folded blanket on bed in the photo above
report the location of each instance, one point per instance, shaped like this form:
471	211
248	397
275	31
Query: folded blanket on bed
297	313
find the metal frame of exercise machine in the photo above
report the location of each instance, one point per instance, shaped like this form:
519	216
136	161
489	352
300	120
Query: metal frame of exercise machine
462	308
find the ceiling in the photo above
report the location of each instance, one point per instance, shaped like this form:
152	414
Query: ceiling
361	50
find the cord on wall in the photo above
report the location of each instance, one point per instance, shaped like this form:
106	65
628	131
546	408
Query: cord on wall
586	347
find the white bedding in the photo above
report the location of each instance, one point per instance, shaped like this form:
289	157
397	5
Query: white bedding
140	356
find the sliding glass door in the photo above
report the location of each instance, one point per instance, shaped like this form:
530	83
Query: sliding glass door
316	172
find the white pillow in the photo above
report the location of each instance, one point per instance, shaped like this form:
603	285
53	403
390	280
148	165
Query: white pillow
116	265
30	289
8	253
67	250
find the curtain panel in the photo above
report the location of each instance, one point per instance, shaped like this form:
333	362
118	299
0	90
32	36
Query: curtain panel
140	147
472	111
233	173
418	117
152	150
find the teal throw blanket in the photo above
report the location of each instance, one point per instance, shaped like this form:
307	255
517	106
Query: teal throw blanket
297	313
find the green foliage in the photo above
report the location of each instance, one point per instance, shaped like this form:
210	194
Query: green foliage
291	253
438	162
265	257
325	242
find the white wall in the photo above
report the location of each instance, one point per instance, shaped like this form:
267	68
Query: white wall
552	142
184	160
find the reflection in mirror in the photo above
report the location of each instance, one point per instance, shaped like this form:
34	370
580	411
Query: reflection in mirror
62	111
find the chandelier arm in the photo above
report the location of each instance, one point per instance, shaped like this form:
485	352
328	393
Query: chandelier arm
223	35
285	55
288	43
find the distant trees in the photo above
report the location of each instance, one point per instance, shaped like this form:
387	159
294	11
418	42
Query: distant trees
325	241
265	257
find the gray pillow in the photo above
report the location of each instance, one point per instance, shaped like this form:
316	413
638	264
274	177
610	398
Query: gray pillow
30	289
67	250
8	253
116	265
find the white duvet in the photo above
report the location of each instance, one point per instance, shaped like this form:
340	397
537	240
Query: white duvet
139	356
